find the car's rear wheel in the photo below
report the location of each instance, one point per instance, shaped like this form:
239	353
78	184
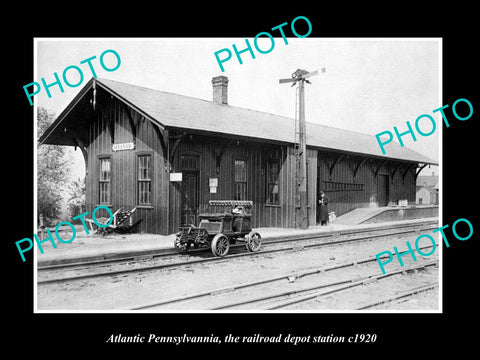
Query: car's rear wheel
254	241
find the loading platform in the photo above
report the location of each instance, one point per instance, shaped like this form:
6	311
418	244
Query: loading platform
387	213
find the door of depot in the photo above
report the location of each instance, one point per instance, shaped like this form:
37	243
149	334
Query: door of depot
382	191
189	198
189	166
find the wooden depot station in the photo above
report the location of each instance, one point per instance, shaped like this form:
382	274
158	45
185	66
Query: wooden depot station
168	155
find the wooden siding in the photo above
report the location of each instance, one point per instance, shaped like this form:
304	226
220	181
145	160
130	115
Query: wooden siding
216	156
223	153
124	165
361	190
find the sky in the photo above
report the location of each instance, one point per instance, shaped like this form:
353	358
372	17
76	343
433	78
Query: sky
370	84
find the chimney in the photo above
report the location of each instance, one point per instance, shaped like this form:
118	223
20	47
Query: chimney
220	89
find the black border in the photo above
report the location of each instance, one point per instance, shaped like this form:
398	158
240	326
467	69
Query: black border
87	333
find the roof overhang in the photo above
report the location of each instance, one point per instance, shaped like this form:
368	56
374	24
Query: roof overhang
71	125
424	160
68	120
70	128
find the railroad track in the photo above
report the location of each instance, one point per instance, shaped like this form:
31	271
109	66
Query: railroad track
90	269
402	296
284	239
285	298
353	284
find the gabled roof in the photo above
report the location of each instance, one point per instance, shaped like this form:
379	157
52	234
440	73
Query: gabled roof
430	189
175	111
431	180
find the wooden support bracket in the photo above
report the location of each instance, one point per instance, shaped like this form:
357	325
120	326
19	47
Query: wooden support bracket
83	148
395	170
358	167
178	139
332	166
419	170
406	171
379	167
218	155
162	135
133	124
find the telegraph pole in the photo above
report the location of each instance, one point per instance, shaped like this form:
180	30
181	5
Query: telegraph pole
300	148
302	210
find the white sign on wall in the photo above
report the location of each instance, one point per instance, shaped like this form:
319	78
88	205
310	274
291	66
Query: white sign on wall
124	146
175	176
213	183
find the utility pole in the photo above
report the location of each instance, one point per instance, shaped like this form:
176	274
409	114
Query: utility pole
301	216
300	147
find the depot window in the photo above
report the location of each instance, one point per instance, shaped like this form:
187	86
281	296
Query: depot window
104	180
240	179
273	168
144	179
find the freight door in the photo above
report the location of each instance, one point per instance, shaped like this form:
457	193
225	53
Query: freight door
382	191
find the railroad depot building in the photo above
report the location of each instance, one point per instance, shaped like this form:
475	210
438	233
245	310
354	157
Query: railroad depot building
168	155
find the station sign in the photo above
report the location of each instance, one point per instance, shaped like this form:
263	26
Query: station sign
123	146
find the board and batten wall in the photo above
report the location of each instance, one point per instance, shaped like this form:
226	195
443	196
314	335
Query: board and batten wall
216	156
348	190
123	182
216	160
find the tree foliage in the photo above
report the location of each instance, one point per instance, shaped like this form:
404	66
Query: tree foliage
76	201
52	172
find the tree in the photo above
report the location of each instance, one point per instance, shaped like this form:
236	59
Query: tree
76	202
52	172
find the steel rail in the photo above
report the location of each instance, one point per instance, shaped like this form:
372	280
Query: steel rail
407	293
351	285
213	259
232	288
148	254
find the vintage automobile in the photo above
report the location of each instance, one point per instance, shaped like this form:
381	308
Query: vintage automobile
218	229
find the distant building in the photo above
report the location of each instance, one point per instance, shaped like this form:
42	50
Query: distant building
427	189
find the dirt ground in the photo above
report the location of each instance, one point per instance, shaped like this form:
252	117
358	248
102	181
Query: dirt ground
85	245
129	290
